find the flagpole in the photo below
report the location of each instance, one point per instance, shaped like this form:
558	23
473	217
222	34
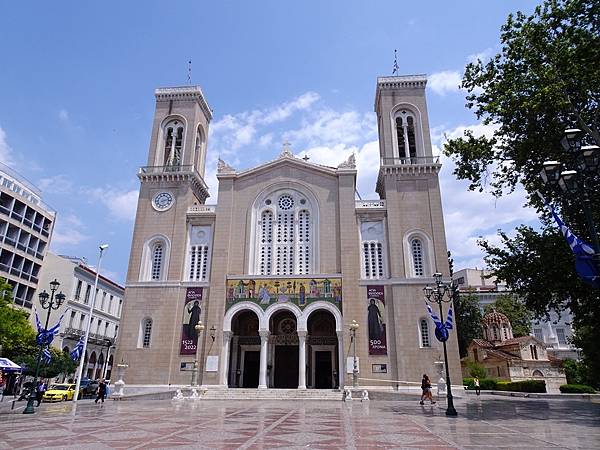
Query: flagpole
88	326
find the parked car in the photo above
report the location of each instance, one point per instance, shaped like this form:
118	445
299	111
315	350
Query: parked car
88	387
59	393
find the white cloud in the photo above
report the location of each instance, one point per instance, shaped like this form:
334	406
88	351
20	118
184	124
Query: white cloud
6	153
443	82
469	215
58	184
329	127
483	55
63	115
232	132
120	204
68	232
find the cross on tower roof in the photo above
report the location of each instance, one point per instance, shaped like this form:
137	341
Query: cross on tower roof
306	157
287	150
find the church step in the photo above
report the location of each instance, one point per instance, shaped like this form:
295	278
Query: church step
269	394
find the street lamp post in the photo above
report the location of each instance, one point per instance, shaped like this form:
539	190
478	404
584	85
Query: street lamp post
88	325
577	177
353	327
199	329
442	293
49	302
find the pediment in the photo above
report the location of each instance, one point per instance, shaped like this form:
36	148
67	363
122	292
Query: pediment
279	163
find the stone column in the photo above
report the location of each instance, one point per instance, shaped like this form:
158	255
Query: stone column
225	358
302	359
264	347
341	359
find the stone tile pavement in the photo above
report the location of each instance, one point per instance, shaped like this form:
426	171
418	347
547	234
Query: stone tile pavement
486	422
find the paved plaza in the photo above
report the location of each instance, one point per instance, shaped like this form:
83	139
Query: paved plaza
488	422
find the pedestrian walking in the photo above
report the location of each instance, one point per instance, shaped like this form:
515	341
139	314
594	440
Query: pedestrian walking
39	392
426	390
476	384
101	391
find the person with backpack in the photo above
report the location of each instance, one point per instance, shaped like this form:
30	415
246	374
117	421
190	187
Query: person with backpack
426	390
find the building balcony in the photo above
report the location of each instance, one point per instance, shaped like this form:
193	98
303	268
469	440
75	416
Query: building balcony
416	160
202	210
176	173
370	204
93	338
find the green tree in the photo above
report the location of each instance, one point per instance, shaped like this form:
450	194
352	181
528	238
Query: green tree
17	336
475	369
545	79
60	363
468	320
520	317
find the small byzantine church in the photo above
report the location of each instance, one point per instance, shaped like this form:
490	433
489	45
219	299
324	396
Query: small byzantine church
286	260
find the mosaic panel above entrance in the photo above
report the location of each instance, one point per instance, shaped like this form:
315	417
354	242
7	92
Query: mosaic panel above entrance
299	291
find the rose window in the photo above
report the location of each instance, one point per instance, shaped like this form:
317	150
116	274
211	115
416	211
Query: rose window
286	202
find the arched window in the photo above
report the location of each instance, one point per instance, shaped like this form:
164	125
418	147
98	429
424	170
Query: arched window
284	234
173	142
266	243
199	148
157	260
416	246
418	254
406	136
424	330
495	332
373	259
146	334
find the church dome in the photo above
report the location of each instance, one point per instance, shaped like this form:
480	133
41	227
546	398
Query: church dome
496	327
495	317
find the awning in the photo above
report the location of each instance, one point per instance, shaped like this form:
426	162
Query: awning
7	365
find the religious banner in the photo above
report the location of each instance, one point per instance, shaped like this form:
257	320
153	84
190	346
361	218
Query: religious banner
299	291
191	316
376	321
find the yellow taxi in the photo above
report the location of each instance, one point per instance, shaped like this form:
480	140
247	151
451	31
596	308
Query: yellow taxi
59	393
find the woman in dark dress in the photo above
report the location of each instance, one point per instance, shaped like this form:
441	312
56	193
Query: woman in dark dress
374	318
194	318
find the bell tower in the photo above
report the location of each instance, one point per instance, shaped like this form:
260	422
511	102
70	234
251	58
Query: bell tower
408	180
171	182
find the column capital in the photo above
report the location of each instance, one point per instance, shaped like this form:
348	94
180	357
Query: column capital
264	334
302	334
227	335
340	333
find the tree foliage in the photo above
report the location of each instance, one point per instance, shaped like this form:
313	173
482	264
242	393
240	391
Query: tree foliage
520	317
17	336
545	79
61	363
468	320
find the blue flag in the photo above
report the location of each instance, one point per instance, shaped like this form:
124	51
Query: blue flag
76	352
585	263
45	337
46	355
441	329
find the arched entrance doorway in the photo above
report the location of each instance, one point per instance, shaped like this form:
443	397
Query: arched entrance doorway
91	365
322	351
244	363
282	369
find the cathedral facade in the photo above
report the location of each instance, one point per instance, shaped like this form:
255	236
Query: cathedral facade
260	288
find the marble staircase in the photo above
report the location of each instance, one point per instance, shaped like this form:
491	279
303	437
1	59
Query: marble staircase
267	394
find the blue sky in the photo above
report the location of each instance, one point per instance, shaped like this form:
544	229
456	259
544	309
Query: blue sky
77	82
